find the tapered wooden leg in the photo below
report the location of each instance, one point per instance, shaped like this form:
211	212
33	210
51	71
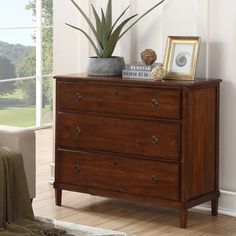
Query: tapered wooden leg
214	206
58	193
183	215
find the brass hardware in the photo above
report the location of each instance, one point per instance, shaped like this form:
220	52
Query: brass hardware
115	92
77	167
154	179
78	96
155	103
77	130
115	163
155	139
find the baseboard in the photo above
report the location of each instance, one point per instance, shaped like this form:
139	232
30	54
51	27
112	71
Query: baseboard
51	178
227	204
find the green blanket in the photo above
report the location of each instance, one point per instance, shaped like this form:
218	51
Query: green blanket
16	214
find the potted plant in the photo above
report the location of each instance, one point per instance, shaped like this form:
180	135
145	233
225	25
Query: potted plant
106	35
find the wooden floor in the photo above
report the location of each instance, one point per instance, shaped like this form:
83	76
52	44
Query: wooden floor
134	219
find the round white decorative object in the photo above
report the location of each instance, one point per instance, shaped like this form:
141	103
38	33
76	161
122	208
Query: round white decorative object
158	72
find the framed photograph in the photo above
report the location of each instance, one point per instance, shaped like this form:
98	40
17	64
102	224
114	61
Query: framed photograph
181	57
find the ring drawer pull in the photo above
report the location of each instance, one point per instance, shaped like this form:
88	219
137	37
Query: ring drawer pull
77	167
115	163
154	179
155	103
155	139
78	96
77	130
115	92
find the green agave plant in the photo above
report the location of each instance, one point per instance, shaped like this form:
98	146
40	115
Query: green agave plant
107	34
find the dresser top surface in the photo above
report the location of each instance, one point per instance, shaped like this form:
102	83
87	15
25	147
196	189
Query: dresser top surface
119	80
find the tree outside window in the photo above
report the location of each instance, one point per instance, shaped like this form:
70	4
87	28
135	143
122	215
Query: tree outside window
18	65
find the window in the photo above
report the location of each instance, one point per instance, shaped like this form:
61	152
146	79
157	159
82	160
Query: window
26	38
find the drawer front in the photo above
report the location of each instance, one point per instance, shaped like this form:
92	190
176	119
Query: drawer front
127	175
155	139
145	102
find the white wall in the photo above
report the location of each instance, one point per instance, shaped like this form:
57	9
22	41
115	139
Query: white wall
213	20
70	49
222	63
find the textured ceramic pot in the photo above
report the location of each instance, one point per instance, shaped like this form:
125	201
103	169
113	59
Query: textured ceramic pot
112	66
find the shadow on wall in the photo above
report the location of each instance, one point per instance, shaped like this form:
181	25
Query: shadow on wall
221	66
215	60
202	61
215	70
227	135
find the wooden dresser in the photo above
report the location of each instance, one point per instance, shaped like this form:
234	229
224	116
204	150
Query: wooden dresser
154	142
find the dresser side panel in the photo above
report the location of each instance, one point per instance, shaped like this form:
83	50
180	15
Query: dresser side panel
200	127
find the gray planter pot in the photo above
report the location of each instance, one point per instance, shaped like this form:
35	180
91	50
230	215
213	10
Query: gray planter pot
112	66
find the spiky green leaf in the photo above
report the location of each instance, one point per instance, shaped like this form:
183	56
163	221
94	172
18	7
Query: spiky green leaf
119	18
87	36
109	15
98	25
87	19
111	44
152	8
105	32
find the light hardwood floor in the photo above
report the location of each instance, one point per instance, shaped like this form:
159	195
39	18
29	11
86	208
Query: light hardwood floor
134	219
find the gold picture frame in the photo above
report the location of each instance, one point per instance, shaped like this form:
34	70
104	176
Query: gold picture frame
181	57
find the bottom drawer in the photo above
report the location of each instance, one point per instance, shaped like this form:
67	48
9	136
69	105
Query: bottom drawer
116	173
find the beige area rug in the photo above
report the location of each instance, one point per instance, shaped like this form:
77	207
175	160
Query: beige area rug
79	230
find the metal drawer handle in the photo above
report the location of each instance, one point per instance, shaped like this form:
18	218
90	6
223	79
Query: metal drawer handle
115	163
155	103
77	130
115	92
155	139
77	167
154	179
78	96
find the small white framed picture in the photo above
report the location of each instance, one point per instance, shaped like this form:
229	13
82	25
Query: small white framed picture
181	57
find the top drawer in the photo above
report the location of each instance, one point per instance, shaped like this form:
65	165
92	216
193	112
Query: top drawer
123	100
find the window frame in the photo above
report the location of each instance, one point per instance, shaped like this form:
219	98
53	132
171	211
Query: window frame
39	76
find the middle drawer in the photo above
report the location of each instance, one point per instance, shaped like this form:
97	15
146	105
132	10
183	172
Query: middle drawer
154	139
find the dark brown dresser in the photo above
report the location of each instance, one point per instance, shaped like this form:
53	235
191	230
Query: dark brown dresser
153	142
